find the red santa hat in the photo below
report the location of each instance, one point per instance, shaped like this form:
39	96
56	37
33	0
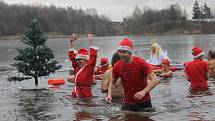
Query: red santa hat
104	62
125	44
82	54
166	62
197	52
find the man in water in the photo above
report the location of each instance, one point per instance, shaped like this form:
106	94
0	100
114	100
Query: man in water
133	72
197	70
117	89
83	65
211	63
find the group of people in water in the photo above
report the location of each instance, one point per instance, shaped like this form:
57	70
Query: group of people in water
130	76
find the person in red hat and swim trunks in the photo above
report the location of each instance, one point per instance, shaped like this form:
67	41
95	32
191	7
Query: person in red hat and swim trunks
197	70
83	65
133	72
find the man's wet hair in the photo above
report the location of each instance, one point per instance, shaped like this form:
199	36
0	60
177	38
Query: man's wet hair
115	58
211	53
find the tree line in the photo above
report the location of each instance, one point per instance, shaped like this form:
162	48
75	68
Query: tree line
14	19
150	20
202	13
171	20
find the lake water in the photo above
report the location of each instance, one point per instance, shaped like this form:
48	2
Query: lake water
171	99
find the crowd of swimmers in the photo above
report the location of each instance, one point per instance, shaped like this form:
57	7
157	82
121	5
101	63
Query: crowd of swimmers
129	76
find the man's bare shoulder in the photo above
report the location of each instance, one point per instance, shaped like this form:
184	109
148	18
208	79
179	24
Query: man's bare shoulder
108	72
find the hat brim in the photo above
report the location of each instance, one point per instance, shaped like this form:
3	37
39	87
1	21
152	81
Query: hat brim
199	55
124	48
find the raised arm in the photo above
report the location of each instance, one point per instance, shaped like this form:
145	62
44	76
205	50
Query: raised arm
91	38
72	39
93	51
72	51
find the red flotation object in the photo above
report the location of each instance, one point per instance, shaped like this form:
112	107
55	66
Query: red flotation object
172	67
56	81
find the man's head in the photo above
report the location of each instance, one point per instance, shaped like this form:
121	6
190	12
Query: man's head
197	52
211	54
115	58
104	62
125	49
165	63
82	57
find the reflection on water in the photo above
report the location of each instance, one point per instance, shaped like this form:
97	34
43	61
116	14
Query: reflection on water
36	105
5	70
80	116
200	92
202	104
172	99
130	116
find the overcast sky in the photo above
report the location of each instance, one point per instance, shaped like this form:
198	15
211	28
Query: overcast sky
117	9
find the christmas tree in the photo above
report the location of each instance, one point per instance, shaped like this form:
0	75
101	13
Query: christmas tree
36	59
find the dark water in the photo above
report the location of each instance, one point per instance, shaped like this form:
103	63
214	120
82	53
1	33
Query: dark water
172	99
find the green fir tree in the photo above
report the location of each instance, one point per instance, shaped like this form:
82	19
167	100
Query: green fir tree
36	59
196	11
206	12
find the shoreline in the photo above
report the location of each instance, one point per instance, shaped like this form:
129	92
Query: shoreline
12	37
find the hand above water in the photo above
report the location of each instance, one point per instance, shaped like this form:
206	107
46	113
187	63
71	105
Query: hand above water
108	99
91	37
139	95
74	37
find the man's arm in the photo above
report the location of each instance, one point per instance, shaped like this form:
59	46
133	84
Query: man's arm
93	50
168	74
105	81
187	77
110	87
72	39
72	52
153	82
91	38
186	73
207	75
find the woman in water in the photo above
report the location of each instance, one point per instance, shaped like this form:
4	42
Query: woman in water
157	54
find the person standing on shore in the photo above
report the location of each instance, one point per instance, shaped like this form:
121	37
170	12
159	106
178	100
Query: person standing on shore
83	65
133	72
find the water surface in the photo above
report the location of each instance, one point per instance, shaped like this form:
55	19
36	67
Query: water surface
171	99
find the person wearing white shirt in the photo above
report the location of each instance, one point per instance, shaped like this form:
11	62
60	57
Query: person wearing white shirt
157	54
